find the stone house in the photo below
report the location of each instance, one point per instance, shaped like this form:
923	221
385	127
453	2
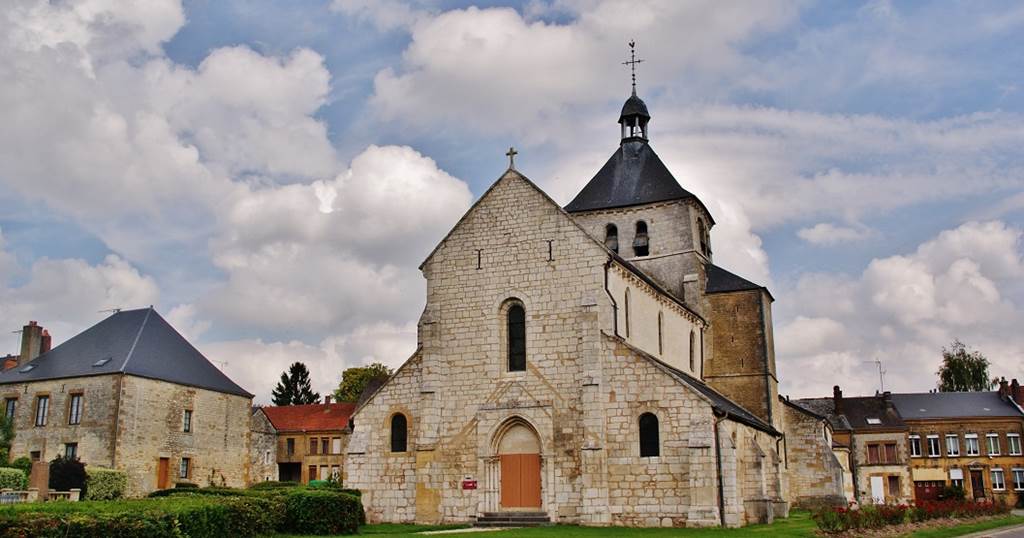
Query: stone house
874	433
817	468
311	440
129	393
969	439
263	443
586	364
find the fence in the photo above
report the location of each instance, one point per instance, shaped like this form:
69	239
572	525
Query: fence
10	496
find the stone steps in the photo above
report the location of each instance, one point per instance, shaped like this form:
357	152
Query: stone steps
513	519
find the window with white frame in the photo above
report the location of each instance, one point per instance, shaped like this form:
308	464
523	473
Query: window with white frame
993	444
1013	443
184	467
952	445
1018	479
915	446
998	482
971	443
933	446
956	478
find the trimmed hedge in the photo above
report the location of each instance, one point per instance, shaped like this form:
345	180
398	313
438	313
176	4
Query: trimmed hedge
23	463
13	478
273	484
322	512
105	484
210	517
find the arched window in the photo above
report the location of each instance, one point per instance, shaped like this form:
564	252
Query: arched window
661	346
649	438
640	242
516	338
693	355
611	238
627	312
399	433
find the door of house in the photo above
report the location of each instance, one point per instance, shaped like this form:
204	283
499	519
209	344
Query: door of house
311	475
520	481
163	477
878	489
977	484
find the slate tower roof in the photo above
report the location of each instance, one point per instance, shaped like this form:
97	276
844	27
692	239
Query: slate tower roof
135	342
634	175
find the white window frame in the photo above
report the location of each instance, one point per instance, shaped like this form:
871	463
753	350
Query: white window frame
1013	443
998	485
914	441
42	410
988	444
938	447
953	451
184	468
967	444
1018	479
75	409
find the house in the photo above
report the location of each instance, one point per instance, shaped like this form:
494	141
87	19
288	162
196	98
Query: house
263	440
310	439
875	436
966	439
129	393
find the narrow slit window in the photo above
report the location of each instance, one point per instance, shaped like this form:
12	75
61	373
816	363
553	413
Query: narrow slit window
649	436
661	339
627	312
399	433
516	338
693	351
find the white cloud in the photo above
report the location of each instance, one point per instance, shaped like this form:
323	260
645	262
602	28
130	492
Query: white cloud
903	309
828	234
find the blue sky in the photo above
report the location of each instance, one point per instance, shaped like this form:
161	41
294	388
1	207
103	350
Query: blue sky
270	174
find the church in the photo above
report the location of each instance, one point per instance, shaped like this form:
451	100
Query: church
586	364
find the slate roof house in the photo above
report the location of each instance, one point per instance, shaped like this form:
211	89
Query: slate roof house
131	393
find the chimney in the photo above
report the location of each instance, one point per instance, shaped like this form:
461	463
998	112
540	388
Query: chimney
1015	392
327	400
887	399
44	345
1004	388
31	342
837	399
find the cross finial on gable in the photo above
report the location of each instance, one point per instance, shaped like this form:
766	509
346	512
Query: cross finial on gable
632	62
511	153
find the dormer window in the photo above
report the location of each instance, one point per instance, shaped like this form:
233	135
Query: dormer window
640	240
611	238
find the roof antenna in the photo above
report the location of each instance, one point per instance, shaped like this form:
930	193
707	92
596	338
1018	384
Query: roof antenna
881	373
632	62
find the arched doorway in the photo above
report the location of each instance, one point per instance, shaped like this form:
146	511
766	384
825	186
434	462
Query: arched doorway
519	453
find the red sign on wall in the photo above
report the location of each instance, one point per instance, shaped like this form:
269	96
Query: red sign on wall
469	484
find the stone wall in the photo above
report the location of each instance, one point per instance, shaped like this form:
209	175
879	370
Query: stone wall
741	361
95	433
150	428
263	449
864	471
815	476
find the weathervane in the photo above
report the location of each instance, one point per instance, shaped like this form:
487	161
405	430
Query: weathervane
632	62
511	153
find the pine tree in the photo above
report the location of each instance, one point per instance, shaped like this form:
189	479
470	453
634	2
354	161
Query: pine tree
294	387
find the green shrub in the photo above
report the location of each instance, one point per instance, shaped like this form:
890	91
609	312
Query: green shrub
67	474
13	478
194	517
185	485
105	484
273	484
322	512
24	464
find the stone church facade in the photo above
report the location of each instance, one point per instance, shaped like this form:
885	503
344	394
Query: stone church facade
586	364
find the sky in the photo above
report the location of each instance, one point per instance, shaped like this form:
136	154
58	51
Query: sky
269	175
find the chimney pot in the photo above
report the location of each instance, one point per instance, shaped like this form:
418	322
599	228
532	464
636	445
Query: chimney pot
837	399
31	342
1004	387
327	399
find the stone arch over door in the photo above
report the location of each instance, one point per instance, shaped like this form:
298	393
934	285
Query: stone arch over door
517	447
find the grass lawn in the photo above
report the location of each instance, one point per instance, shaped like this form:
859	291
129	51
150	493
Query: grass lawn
799	524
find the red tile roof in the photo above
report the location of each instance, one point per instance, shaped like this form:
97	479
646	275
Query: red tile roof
313	417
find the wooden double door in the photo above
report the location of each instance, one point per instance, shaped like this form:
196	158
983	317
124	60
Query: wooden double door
520	481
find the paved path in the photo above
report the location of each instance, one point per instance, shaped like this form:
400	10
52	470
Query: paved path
1016	531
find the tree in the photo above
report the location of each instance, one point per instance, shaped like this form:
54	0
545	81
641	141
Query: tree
294	387
354	380
6	438
963	370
